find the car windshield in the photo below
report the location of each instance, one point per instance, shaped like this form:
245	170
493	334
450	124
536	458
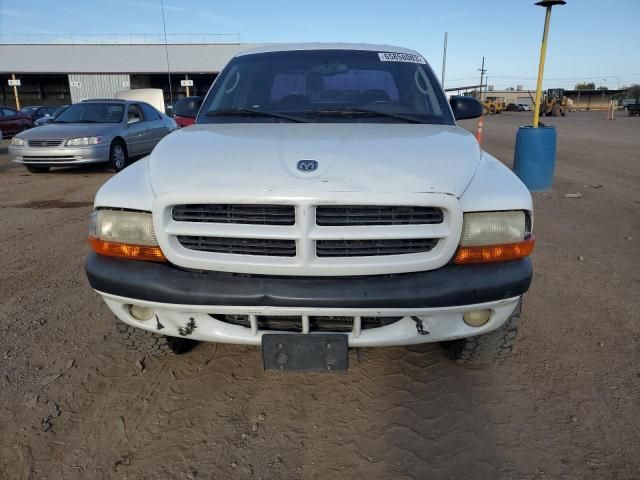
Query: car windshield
59	110
92	113
326	86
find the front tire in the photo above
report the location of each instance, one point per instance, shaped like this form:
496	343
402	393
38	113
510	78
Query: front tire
495	345
148	343
118	155
33	169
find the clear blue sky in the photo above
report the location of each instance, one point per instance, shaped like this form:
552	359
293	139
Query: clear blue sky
590	40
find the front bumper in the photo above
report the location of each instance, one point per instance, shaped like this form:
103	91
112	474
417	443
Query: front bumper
59	156
436	298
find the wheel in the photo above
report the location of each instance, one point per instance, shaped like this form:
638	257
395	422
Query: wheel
564	112
118	155
148	343
495	345
492	110
33	169
555	111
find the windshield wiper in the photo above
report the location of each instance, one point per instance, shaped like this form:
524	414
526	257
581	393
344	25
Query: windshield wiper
363	112
248	112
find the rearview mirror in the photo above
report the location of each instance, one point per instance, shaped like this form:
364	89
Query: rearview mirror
465	107
188	107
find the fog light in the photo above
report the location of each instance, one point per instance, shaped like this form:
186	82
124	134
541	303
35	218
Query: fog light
476	318
141	313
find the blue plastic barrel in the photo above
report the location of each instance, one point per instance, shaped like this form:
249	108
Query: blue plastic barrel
535	157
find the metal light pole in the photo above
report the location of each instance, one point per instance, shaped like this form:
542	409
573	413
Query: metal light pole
548	4
444	59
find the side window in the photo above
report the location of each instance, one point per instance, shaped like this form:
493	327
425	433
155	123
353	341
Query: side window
8	112
134	114
150	113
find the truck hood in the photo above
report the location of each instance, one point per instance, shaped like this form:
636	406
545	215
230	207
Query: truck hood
351	157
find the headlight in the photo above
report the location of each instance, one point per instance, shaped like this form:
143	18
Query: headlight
17	142
495	236
83	141
492	228
124	234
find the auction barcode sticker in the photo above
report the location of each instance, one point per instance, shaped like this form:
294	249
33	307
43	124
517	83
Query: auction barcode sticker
401	57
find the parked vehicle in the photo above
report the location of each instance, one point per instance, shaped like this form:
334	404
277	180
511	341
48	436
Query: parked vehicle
93	131
152	96
324	199
554	103
12	121
492	107
633	109
184	107
524	107
50	117
514	107
37	111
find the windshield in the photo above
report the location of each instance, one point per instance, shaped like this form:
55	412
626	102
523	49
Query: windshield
326	86
92	113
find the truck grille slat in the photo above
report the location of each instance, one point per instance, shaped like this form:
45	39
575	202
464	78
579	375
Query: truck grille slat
240	246
366	248
353	215
316	324
235	213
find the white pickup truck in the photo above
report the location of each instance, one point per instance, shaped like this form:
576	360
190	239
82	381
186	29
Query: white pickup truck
324	199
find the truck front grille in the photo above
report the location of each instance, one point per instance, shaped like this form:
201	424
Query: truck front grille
235	213
312	234
240	246
293	323
352	215
368	248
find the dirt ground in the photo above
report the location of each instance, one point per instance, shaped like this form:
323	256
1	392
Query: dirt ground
564	406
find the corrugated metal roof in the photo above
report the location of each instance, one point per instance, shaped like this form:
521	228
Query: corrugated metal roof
200	58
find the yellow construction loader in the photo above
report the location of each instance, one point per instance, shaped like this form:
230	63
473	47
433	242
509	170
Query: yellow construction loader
492	106
554	103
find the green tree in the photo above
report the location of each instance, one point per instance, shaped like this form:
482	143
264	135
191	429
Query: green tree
585	86
634	92
603	87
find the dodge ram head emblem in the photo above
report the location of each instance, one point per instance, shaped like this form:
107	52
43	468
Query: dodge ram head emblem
307	165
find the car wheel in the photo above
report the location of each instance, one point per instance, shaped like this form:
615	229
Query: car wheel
118	155
486	348
33	169
148	343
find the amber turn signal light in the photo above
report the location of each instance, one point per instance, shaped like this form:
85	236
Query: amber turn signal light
124	250
495	253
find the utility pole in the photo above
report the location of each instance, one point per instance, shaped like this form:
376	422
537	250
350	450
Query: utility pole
482	72
15	91
444	59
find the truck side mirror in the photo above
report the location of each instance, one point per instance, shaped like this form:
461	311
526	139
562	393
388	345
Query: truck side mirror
188	107
465	107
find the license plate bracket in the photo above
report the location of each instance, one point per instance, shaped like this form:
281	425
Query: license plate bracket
305	353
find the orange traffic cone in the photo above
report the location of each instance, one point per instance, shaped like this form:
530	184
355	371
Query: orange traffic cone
479	131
